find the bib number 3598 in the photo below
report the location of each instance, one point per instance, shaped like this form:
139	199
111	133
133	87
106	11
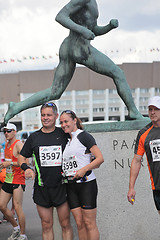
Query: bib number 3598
70	166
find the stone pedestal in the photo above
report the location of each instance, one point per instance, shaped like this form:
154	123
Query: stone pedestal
117	219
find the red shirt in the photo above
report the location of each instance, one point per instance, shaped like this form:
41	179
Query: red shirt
14	175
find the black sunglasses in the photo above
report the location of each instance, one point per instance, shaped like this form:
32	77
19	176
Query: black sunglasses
8	130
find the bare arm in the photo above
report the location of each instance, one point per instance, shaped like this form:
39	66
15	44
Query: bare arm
94	164
6	164
28	172
134	171
63	17
17	148
98	30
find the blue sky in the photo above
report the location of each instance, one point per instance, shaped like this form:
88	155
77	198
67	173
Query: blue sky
31	37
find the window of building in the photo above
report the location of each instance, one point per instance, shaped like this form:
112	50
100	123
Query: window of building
81	93
98	109
64	102
114	109
143	108
143	99
84	119
98	101
1	115
112	91
98	118
157	90
98	92
114	100
114	118
81	101
81	110
144	90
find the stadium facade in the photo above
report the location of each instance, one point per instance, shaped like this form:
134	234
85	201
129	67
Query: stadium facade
92	96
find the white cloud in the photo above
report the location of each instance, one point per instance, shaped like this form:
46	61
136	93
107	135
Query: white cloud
124	46
28	28
23	33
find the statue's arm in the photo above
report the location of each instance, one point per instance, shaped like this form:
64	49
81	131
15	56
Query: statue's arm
64	18
98	30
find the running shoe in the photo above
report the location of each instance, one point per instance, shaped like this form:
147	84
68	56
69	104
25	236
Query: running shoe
15	235
22	238
4	220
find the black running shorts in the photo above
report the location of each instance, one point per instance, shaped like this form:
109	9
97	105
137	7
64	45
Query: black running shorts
156	197
50	196
82	195
9	187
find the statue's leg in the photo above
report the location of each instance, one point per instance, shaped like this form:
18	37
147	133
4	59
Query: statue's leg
33	101
124	92
62	77
100	63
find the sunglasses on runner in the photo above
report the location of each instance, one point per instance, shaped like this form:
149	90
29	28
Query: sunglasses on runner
8	130
69	112
50	104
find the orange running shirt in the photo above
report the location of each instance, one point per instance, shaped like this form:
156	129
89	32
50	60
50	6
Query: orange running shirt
2	175
14	175
148	141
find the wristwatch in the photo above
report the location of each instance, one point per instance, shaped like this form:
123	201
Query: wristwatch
11	164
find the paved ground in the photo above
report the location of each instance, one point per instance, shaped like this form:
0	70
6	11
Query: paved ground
33	224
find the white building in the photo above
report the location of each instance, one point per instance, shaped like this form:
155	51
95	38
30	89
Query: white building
92	96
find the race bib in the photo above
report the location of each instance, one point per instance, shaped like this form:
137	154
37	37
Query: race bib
9	168
155	150
70	166
50	156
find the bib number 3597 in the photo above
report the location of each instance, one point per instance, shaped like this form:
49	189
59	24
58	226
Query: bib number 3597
50	156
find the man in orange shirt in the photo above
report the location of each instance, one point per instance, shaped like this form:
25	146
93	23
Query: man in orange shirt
14	184
148	141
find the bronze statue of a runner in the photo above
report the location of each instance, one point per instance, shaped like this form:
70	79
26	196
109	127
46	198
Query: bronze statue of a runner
80	17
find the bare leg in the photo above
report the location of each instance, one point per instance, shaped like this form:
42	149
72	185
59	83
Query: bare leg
13	208
64	220
89	217
46	215
82	232
17	200
4	200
